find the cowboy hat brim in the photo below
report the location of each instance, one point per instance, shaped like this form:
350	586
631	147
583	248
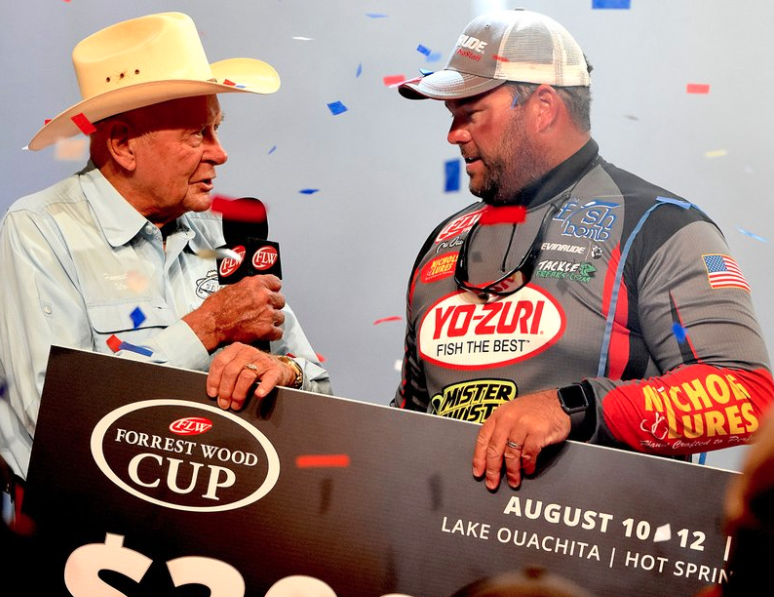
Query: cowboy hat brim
235	75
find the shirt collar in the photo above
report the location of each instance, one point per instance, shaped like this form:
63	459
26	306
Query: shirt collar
559	178
119	221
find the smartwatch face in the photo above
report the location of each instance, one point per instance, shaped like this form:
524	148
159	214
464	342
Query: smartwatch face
573	398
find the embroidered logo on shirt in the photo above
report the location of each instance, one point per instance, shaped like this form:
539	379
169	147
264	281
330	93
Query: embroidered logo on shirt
724	272
208	285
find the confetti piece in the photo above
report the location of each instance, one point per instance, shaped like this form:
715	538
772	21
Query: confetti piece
697	88
625	4
398	365
376	15
72	149
423	50
359	70
134	348
386	319
506	214
299	38
221	253
663	533
515	101
322	461
241	210
83	124
434	57
137	317
320	357
630	117
499	58
751	235
273	149
452	171
230	83
718	153
136	281
114	343
424	72
391	80
337	108
679	332
46	121
308	191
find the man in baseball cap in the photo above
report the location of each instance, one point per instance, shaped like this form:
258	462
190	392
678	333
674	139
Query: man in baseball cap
583	302
120	257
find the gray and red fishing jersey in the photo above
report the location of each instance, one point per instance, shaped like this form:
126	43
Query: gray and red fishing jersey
632	290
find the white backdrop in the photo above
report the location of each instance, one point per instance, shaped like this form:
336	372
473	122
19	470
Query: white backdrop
379	166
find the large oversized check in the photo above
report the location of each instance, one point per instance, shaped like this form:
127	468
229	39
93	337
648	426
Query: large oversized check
140	485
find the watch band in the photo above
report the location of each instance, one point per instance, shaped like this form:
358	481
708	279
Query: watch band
298	383
577	400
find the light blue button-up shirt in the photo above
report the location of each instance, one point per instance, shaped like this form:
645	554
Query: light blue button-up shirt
79	266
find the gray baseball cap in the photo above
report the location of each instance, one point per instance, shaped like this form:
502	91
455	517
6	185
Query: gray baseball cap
505	45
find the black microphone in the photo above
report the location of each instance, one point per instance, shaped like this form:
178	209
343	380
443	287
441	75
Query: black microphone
245	230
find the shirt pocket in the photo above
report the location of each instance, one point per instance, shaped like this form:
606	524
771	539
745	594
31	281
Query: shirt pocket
135	322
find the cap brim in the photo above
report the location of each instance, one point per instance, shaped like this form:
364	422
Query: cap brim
244	75
446	85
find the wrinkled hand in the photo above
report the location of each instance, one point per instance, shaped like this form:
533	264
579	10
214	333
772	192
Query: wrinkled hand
532	422
229	380
247	311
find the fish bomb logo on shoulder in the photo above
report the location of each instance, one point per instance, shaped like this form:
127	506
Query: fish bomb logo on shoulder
205	461
460	332
228	266
264	258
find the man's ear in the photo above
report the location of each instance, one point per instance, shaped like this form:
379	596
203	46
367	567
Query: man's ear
547	105
121	143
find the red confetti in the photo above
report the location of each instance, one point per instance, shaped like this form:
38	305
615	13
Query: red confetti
46	121
114	342
697	88
227	82
83	123
239	209
500	58
322	461
508	214
320	357
391	80
385	319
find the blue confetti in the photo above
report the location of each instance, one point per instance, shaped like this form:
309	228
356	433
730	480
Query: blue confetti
751	235
452	169
625	4
423	50
679	332
337	108
424	72
134	348
376	15
434	57
273	149
308	191
515	101
359	70
137	317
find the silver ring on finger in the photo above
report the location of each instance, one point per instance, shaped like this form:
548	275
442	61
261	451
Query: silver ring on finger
251	366
513	445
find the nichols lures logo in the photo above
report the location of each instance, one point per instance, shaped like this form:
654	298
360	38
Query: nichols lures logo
205	461
461	332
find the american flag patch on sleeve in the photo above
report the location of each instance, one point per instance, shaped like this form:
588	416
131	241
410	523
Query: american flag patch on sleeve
724	272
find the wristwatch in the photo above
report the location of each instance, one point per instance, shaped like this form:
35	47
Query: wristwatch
573	399
299	381
577	400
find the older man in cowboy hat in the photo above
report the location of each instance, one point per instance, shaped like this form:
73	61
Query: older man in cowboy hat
118	258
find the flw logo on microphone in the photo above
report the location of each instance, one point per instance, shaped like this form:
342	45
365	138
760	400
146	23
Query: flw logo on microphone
265	257
228	266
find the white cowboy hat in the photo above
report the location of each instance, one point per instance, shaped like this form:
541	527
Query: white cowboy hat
145	61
